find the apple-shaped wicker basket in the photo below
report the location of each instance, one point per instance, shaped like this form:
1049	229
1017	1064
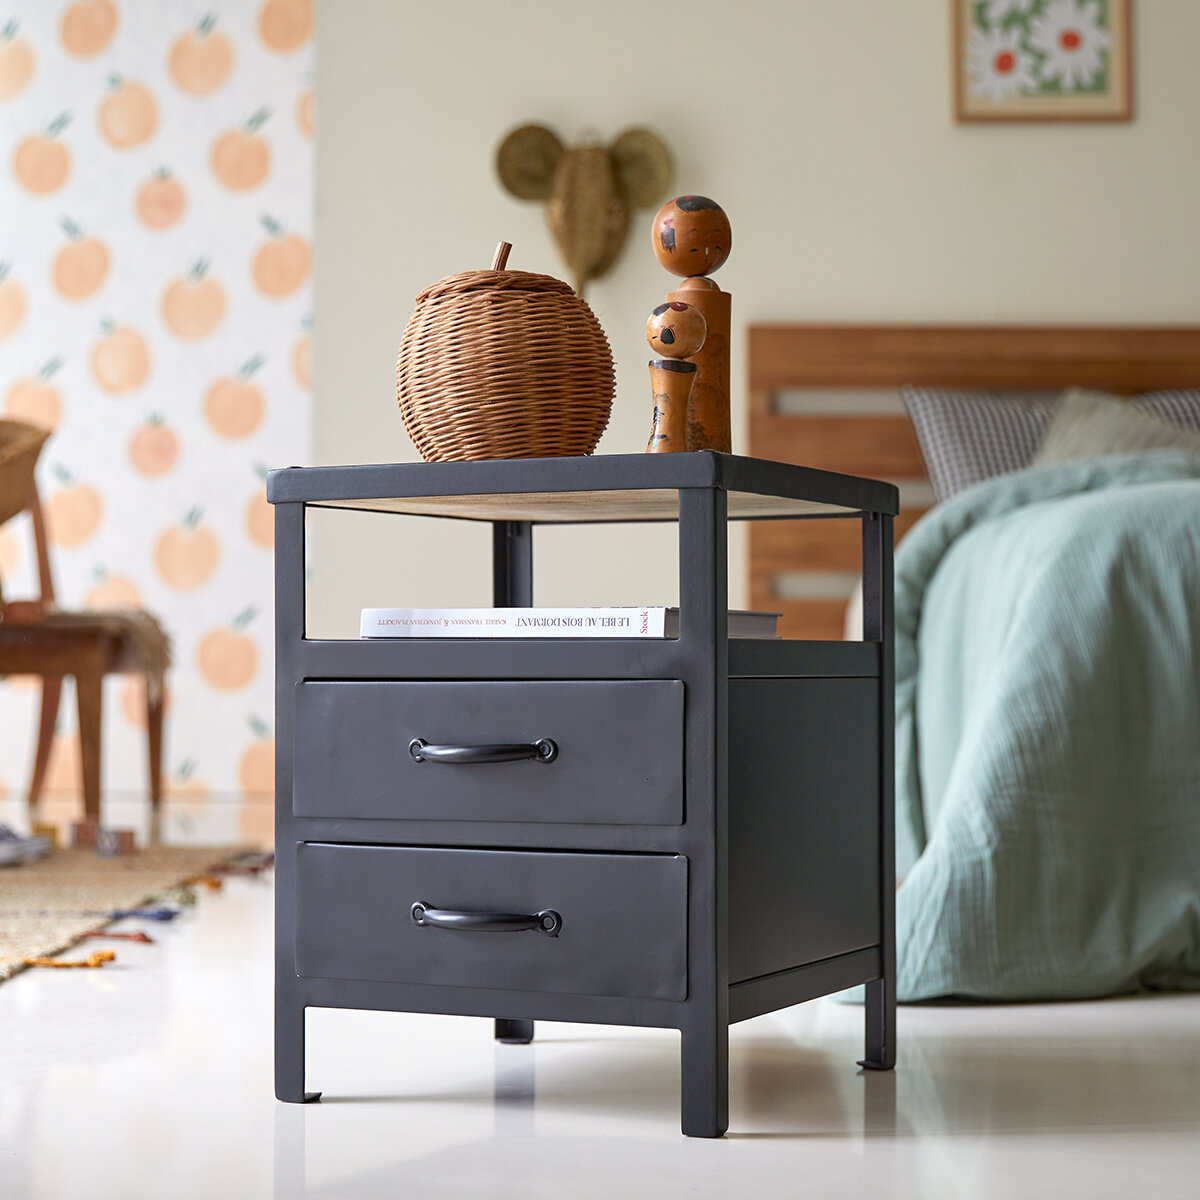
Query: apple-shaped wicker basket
503	364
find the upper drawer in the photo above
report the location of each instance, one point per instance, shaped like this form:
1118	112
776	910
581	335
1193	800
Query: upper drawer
619	756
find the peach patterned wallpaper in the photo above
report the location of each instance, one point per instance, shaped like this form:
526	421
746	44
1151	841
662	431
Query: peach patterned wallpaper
155	299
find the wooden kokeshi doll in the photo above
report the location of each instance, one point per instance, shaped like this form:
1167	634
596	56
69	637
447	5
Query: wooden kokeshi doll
676	331
692	237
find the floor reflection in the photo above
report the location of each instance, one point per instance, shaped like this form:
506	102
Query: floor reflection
153	1078
976	1092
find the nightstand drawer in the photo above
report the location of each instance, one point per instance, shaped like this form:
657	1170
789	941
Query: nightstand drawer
596	751
610	924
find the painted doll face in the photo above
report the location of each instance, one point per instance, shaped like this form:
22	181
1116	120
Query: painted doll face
676	330
691	235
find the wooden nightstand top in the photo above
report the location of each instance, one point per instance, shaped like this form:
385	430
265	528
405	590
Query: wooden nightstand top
600	488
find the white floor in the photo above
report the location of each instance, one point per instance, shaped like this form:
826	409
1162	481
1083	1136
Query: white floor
152	1078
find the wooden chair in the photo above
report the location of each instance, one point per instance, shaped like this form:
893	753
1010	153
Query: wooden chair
38	638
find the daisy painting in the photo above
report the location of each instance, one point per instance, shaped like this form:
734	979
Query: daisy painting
1042	60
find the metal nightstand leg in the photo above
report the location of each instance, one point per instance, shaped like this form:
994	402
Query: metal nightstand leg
704	1081
514	1033
881	1025
289	634
289	1055
512	587
878	627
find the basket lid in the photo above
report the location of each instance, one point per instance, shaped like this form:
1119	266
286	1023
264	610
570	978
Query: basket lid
496	281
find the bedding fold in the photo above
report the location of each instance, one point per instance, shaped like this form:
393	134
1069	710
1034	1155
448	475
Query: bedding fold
1048	734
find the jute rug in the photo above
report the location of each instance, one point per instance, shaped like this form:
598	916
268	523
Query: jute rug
48	906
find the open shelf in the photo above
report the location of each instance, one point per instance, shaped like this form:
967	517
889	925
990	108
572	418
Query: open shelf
634	504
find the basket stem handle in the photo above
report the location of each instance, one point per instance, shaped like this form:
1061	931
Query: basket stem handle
501	256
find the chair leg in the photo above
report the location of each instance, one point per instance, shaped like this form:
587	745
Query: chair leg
154	741
51	693
89	688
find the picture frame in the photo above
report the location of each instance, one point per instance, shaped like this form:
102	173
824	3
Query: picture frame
1042	60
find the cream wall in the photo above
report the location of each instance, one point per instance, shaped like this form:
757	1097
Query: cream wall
823	128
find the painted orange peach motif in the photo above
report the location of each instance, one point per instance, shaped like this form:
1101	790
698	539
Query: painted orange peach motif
41	163
302	360
256	817
112	591
193	306
128	117
256	771
260	518
199	61
305	112
240	158
227	658
186	785
35	400
16	62
133	701
256	775
282	263
187	554
62	775
73	512
12	303
234	407
81	266
160	201
120	360
153	448
285	25
87	27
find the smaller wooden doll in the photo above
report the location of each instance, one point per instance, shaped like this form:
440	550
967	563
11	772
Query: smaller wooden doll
676	331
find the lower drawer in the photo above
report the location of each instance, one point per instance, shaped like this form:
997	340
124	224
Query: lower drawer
623	919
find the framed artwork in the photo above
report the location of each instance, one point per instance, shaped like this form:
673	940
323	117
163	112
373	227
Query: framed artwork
1042	60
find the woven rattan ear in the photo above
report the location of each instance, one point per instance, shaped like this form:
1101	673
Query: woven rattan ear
503	364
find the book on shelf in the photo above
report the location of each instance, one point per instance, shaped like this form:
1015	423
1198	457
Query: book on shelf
653	622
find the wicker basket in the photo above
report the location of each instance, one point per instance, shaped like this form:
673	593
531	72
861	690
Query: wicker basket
503	364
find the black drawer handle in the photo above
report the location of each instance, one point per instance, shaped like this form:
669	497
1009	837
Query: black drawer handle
543	750
547	921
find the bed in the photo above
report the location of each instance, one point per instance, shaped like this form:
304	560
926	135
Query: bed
1047	646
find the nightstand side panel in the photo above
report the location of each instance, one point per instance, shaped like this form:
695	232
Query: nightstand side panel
803	822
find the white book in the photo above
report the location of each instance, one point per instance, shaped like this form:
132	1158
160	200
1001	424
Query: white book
547	623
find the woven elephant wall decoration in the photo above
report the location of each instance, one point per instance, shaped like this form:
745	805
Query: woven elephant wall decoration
589	189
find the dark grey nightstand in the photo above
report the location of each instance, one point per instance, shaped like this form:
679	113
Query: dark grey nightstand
711	838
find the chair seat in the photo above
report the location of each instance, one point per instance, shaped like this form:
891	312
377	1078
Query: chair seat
113	641
38	638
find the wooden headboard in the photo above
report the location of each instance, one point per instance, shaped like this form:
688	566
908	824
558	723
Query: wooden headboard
826	396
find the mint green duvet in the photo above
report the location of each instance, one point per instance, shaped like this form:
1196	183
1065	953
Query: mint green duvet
1048	734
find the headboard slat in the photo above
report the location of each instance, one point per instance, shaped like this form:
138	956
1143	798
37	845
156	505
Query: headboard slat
824	546
1120	359
882	447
